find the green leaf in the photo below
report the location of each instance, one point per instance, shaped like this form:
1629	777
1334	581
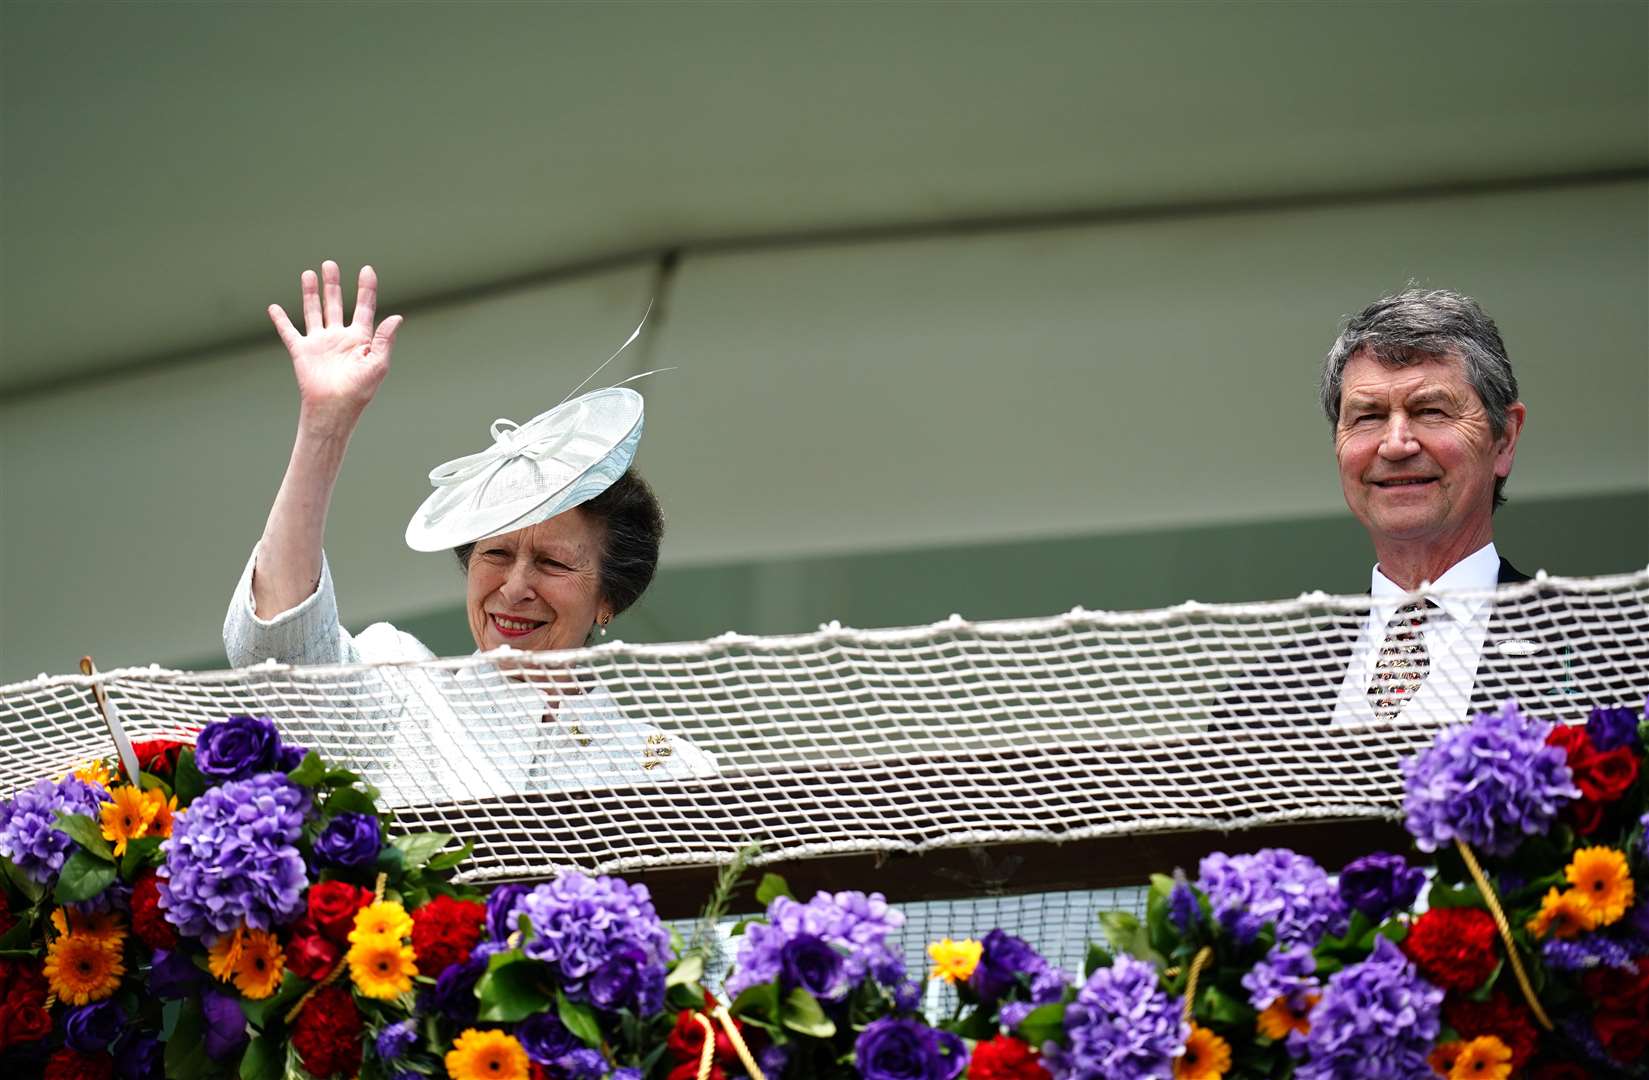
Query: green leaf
802	1012
771	888
309	772
340	778
87	833
265	1059
17	938
187	782
758	1003
84	876
354	800
149	781
1126	935
690	970
578	1019
1097	958
31	889
512	991
143	851
185	1055
1042	1024
1222	1008
449	859
1462	896
419	848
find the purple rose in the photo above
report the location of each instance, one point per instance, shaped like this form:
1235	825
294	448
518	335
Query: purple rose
454	993
225	1025
349	840
504	910
618	982
91	1028
545	1038
899	1048
172	976
1380	884
237	748
290	757
139	1055
1611	728
808	961
1001	958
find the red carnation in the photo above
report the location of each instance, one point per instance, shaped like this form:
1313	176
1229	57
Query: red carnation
327	1034
157	757
332	908
309	954
1500	1016
444	931
1625	1037
1619	991
1005	1058
1453	947
148	921
1559	1070
23	1015
68	1064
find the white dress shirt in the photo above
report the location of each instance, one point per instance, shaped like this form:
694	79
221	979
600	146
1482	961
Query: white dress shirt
1456	627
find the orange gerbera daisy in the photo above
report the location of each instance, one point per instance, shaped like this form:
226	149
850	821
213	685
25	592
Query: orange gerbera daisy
126	817
165	812
1443	1057
1206	1057
81	969
383	919
1602	883
94	772
487	1055
955	960
1562	914
224	955
1280	1018
381	967
1484	1058
104	926
258	971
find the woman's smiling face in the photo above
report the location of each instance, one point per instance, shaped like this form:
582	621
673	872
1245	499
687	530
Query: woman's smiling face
537	588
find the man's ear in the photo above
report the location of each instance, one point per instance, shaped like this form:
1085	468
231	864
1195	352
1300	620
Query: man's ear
1506	446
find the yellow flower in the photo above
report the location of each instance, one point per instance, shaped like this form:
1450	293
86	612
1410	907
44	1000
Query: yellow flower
1279	1018
1443	1057
104	926
1484	1058
224	954
384	919
1562	914
954	960
126	817
1206	1057
165	812
82	969
381	967
1602	883
258	971
487	1055
94	772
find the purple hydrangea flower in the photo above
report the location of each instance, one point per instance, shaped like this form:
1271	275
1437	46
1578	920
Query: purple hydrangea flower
582	1065
1121	1027
626	1073
91	1028
545	1038
1586	952
857	923
349	840
1275	886
602	938
1380	884
1490	783
1288	972
902	1048
28	833
396	1039
1609	728
773	1058
232	858
1376	1019
237	748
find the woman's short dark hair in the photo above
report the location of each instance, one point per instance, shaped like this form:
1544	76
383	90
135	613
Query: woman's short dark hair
633	526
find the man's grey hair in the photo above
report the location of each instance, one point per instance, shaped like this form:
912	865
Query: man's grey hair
1419	324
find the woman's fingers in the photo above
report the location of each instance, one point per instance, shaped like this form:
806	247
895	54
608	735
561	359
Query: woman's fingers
311	302
283	326
332	294
366	298
384	340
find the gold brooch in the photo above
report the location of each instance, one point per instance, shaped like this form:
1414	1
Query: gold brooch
657	749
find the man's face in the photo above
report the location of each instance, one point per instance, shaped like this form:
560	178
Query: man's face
1418	459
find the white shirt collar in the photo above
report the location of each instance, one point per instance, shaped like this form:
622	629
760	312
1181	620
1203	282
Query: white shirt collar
1478	572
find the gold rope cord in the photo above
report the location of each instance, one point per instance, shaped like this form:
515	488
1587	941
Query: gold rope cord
1199	962
738	1043
707	1056
1505	926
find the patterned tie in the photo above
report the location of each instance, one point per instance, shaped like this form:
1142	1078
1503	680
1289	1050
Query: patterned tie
1403	662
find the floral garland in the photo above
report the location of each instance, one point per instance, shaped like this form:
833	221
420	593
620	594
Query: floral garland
241	909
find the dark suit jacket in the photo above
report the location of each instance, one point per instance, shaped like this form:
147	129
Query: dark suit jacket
1557	653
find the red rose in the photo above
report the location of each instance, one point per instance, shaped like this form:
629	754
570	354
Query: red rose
686	1042
309	955
444	931
1005	1058
7	919
157	757
1573	739
1585	815
1559	1070
1500	1016
1605	777
332	908
69	1064
1453	947
328	1033
23	1015
1625	1037
148	921
1619	991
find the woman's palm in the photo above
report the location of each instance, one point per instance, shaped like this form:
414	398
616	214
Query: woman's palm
337	364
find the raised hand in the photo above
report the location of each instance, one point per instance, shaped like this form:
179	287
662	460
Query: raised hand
338	365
